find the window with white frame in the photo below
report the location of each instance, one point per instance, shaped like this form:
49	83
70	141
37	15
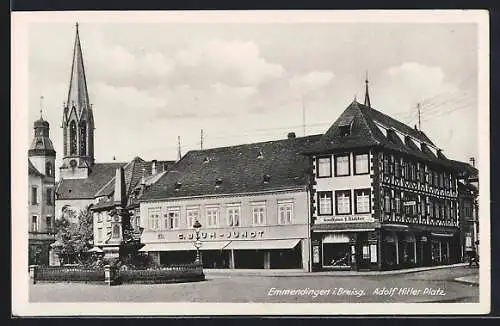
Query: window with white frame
259	213
34	223
212	216
362	199
361	164
285	212
192	215
154	218
343	202
173	215
233	214
325	201
342	165
324	169
99	234
34	195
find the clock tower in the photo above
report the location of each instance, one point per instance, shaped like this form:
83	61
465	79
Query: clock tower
77	122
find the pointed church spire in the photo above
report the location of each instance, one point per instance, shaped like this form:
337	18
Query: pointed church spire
41	107
78	94
367	95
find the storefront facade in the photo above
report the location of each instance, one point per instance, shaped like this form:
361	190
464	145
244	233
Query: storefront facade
257	231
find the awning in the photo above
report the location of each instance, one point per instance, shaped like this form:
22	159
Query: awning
263	244
448	235
336	238
184	246
95	249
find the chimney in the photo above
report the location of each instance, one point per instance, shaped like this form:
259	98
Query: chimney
119	195
291	135
153	167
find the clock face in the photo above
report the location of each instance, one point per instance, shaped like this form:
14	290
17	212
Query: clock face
72	163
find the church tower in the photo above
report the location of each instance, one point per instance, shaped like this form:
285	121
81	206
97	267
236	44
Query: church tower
77	122
41	152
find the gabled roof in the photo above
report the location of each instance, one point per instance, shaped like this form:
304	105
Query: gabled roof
467	170
99	175
236	169
32	170
363	121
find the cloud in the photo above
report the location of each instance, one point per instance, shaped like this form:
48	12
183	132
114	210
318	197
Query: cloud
238	59
312	80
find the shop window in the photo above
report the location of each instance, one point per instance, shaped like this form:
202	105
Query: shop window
192	215
336	250
285	212
259	214
233	215
361	163
212	216
153	218
325	201
362	201
343	202
324	167
342	165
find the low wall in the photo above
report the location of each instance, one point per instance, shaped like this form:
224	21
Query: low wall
111	276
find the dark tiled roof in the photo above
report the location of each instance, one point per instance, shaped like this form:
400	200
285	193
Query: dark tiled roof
365	133
239	169
99	175
467	170
133	173
33	170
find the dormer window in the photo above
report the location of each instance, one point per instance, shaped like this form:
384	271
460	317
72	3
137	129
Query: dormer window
345	130
266	178
206	160
218	182
178	185
260	156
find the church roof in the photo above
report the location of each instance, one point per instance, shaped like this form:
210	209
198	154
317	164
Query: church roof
99	175
78	95
272	165
365	127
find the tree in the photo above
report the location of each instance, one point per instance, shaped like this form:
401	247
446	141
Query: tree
74	235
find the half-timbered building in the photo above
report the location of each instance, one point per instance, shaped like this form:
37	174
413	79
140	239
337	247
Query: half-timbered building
384	195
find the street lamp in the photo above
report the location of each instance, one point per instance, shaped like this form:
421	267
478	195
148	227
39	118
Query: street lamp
197	244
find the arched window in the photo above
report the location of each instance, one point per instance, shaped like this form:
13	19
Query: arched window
72	138
116	231
83	139
48	169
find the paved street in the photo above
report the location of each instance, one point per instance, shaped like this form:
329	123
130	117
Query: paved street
427	286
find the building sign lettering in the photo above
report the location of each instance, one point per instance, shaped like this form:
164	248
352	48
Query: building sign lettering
218	235
346	219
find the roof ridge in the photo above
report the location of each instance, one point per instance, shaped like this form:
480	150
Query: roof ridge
258	143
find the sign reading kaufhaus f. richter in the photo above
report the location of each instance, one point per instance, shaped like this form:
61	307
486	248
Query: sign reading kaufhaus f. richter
345	219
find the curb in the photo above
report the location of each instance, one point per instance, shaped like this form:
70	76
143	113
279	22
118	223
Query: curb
465	281
260	273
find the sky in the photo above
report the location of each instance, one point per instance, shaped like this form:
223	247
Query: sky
248	82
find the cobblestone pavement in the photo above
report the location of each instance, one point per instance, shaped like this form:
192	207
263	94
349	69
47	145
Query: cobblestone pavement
427	286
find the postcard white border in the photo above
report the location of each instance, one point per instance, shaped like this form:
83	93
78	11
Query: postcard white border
19	116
